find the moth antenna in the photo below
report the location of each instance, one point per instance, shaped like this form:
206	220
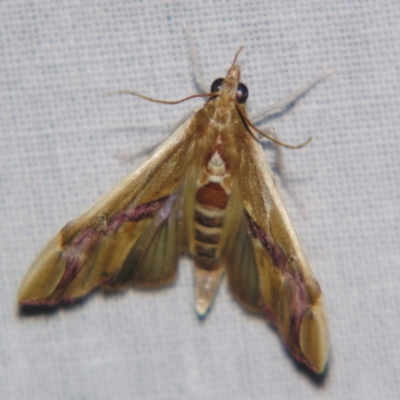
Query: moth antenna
274	140
237	55
157	100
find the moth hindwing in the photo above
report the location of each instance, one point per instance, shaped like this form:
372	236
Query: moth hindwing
208	191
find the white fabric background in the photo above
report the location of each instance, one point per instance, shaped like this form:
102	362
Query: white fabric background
58	139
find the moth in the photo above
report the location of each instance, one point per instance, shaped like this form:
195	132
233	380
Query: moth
207	191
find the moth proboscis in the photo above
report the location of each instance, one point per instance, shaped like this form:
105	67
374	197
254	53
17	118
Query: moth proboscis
207	191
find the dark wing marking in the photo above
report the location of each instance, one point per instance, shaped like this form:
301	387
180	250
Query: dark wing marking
91	250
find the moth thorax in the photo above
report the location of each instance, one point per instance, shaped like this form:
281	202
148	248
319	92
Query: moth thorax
217	172
216	165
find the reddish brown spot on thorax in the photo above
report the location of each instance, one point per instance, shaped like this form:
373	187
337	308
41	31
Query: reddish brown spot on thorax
212	195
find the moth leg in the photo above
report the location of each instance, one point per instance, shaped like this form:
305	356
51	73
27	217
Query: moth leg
280	168
195	61
289	100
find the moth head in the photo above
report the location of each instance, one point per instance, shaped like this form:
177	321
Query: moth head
231	85
240	90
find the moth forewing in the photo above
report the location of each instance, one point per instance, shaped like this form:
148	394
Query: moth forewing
44	274
209	191
292	297
95	244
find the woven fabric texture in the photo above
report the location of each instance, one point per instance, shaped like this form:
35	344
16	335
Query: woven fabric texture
61	146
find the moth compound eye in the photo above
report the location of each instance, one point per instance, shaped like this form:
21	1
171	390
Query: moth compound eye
216	85
242	93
